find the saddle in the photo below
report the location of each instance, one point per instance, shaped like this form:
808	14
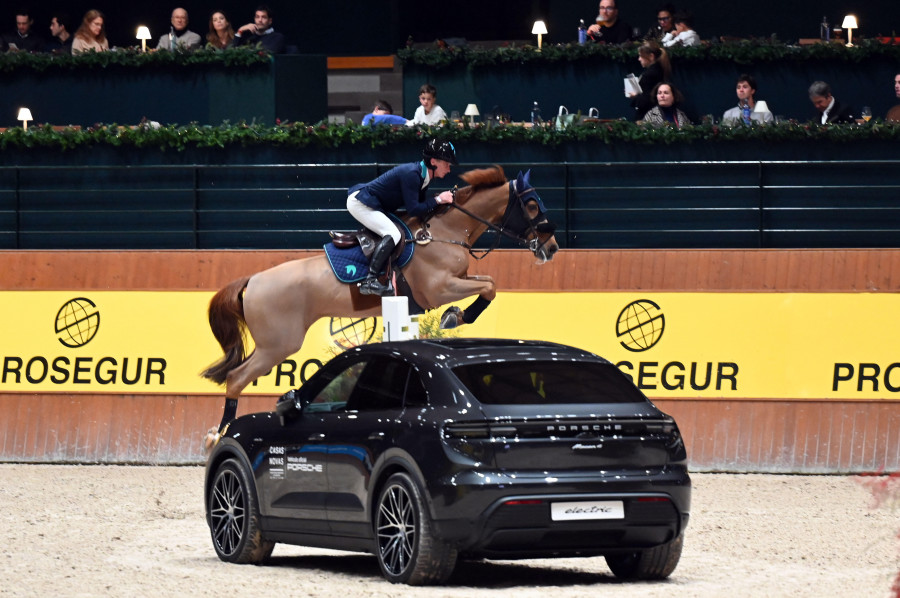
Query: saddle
366	241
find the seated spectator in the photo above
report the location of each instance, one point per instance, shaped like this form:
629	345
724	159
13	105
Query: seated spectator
657	69
664	23
91	36
382	114
893	114
179	37
261	32
683	34
609	29
221	34
23	39
61	42
745	111
429	113
666	110
830	110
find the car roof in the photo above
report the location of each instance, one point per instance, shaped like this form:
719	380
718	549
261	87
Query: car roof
451	352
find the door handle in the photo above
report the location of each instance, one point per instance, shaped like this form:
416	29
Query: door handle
315	437
376	436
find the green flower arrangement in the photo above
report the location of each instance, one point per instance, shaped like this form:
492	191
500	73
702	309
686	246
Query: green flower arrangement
748	51
243	56
325	135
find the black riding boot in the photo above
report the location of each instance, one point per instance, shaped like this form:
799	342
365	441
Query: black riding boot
371	285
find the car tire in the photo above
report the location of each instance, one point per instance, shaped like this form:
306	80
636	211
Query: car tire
654	563
407	549
233	516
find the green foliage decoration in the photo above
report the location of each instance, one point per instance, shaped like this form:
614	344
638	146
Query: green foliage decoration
244	56
325	135
744	51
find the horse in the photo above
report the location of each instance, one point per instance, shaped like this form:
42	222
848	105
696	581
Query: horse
278	305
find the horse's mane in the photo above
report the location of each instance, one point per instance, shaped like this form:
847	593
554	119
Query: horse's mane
480	178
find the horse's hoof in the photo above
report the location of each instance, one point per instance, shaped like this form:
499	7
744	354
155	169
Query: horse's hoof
451	318
212	437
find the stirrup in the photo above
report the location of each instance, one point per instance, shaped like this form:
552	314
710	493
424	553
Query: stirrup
373	286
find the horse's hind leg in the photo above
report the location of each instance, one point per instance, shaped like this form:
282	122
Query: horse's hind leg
257	364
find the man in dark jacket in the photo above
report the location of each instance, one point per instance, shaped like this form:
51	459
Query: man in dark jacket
260	31
23	39
830	110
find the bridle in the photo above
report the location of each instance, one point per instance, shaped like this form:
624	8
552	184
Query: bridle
515	224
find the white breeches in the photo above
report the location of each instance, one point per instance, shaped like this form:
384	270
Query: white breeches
375	220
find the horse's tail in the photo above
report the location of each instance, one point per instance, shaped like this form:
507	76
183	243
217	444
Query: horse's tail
226	318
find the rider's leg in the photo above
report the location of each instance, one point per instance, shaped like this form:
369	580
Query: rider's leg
377	222
371	285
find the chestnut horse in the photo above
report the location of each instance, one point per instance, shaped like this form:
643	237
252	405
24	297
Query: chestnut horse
278	305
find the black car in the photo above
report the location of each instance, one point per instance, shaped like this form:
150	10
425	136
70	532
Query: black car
426	451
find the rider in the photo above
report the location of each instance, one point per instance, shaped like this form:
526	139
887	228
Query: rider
403	186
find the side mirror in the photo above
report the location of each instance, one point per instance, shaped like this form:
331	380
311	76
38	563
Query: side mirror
289	406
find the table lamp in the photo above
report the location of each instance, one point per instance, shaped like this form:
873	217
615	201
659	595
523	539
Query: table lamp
143	34
849	24
25	116
472	112
539	29
761	106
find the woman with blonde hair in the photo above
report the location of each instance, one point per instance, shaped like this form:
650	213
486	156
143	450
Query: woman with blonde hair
657	69
221	34
91	36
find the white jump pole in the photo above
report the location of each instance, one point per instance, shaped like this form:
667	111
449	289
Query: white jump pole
398	325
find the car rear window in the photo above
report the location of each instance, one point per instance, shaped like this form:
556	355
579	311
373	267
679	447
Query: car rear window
539	382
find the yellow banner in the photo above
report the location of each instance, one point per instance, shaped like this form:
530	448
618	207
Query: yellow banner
730	345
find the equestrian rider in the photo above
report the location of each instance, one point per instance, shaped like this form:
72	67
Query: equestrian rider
404	186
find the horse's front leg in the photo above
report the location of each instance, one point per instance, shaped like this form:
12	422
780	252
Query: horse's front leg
483	286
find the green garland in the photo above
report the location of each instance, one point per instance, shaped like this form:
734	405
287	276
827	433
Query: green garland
131	57
323	135
750	51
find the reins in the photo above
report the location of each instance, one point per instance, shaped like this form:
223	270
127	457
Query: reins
479	254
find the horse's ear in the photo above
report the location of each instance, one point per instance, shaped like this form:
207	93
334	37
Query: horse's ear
522	181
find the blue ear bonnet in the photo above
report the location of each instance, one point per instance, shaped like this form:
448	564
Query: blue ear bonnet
528	193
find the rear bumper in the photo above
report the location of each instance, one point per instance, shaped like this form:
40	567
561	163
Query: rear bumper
512	518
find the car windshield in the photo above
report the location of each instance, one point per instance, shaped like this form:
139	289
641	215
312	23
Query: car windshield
540	382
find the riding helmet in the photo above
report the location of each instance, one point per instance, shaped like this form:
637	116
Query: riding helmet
440	150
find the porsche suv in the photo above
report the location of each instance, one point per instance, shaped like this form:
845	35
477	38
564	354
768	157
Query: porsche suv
425	451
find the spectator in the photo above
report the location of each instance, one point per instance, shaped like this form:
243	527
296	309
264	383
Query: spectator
428	113
179	37
830	110
664	23
221	34
91	36
657	69
745	111
382	114
893	114
261	32
683	34
61	42
609	29
666	110
23	38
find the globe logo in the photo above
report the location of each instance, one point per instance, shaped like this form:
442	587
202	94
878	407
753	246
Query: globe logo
77	322
352	332
640	325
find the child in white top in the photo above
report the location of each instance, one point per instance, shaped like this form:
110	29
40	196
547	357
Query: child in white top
429	113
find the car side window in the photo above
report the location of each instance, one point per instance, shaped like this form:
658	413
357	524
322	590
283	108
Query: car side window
381	385
336	393
416	395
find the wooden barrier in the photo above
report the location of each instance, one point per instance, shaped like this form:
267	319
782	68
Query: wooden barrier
759	435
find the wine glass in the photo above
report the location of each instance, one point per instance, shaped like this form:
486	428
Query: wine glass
866	113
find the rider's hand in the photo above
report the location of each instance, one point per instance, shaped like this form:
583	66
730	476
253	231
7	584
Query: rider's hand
445	197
